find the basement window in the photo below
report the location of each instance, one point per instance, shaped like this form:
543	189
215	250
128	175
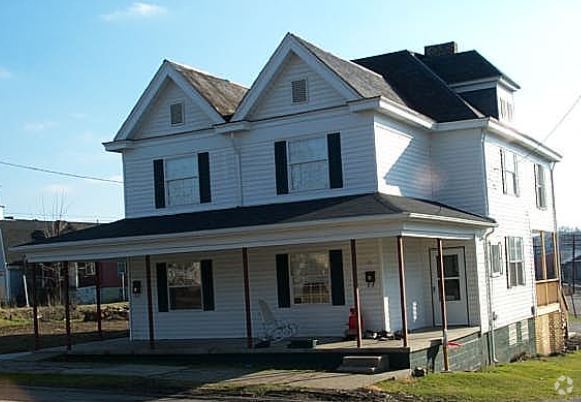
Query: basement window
299	91
176	113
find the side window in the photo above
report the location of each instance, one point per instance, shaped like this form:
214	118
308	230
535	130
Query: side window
515	262
509	168
495	259
540	186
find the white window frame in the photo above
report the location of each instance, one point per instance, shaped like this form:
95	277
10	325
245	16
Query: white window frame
195	178
324	184
520	280
183	108
292	261
306	91
509	174
540	186
184	265
495	264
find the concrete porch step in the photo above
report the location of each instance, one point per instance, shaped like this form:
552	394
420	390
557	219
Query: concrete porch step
358	364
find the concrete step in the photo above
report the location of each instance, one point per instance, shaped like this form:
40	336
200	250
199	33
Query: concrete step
359	364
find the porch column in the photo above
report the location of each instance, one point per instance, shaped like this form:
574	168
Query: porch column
356	297
247	306
34	305
443	305
149	301
98	297
402	294
65	273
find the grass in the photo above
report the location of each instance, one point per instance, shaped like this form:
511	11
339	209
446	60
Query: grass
531	380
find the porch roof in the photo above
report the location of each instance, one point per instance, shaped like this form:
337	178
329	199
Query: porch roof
353	206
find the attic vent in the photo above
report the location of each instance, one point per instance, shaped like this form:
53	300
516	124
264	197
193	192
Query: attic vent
176	113
299	91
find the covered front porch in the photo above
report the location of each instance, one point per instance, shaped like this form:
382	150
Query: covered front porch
367	275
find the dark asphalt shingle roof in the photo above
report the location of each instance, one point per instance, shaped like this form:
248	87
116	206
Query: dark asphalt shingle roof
420	88
292	212
463	67
222	94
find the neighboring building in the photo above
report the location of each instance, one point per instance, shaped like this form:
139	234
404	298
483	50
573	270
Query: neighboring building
273	196
18	231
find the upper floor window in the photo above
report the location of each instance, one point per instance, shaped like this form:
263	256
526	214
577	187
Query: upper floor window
540	189
310	275
299	91
506	109
308	163
181	180
515	261
495	259
509	164
176	113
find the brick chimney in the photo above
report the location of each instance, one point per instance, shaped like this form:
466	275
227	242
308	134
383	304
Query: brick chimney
442	49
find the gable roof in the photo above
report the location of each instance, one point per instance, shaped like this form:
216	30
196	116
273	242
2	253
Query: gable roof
463	67
222	94
419	87
271	214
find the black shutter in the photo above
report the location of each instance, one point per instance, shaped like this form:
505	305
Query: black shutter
283	280
161	287
204	175
337	284
159	183
207	285
280	161
335	163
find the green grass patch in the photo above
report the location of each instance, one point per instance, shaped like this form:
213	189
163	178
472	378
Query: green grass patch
15	322
530	380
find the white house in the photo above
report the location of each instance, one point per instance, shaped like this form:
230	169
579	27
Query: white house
326	186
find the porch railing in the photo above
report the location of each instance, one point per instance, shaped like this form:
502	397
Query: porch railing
548	292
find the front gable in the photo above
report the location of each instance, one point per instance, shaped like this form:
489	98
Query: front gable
157	118
270	94
277	99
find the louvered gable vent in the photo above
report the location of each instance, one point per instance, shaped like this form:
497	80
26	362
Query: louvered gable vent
299	91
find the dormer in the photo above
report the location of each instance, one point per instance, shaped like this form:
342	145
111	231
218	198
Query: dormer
474	78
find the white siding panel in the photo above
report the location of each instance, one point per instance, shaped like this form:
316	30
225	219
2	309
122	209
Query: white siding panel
157	118
277	99
458	176
403	160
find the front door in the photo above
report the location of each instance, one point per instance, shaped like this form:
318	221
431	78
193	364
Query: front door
455	286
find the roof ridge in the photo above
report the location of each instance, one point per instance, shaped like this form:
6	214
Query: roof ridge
200	71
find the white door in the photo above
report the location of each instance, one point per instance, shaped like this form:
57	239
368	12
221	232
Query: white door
455	286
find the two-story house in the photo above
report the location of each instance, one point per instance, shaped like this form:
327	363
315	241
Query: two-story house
335	187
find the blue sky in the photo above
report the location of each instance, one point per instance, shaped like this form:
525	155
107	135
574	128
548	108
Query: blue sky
70	72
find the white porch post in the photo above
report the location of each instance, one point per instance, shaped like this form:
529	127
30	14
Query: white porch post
443	305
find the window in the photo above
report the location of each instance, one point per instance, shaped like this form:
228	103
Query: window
184	286
515	261
451	277
506	110
309	168
181	177
299	91
495	259
509	163
545	257
540	186
310	278
176	113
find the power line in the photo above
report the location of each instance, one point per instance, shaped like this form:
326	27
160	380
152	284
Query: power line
55	172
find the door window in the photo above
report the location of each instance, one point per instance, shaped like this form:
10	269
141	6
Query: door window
451	277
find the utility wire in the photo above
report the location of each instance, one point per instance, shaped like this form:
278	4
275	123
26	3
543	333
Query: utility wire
55	172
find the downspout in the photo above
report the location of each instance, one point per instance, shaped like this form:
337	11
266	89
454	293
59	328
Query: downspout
239	168
489	284
490	296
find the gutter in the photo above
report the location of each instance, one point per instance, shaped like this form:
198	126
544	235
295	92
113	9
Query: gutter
490	296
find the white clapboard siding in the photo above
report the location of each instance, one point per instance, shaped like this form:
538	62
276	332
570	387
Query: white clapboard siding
138	172
257	153
458	175
277	98
516	216
403	160
157	122
228	318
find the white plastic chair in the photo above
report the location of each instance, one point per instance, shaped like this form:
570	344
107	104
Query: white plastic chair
275	330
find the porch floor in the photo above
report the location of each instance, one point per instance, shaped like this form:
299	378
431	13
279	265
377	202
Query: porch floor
419	340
